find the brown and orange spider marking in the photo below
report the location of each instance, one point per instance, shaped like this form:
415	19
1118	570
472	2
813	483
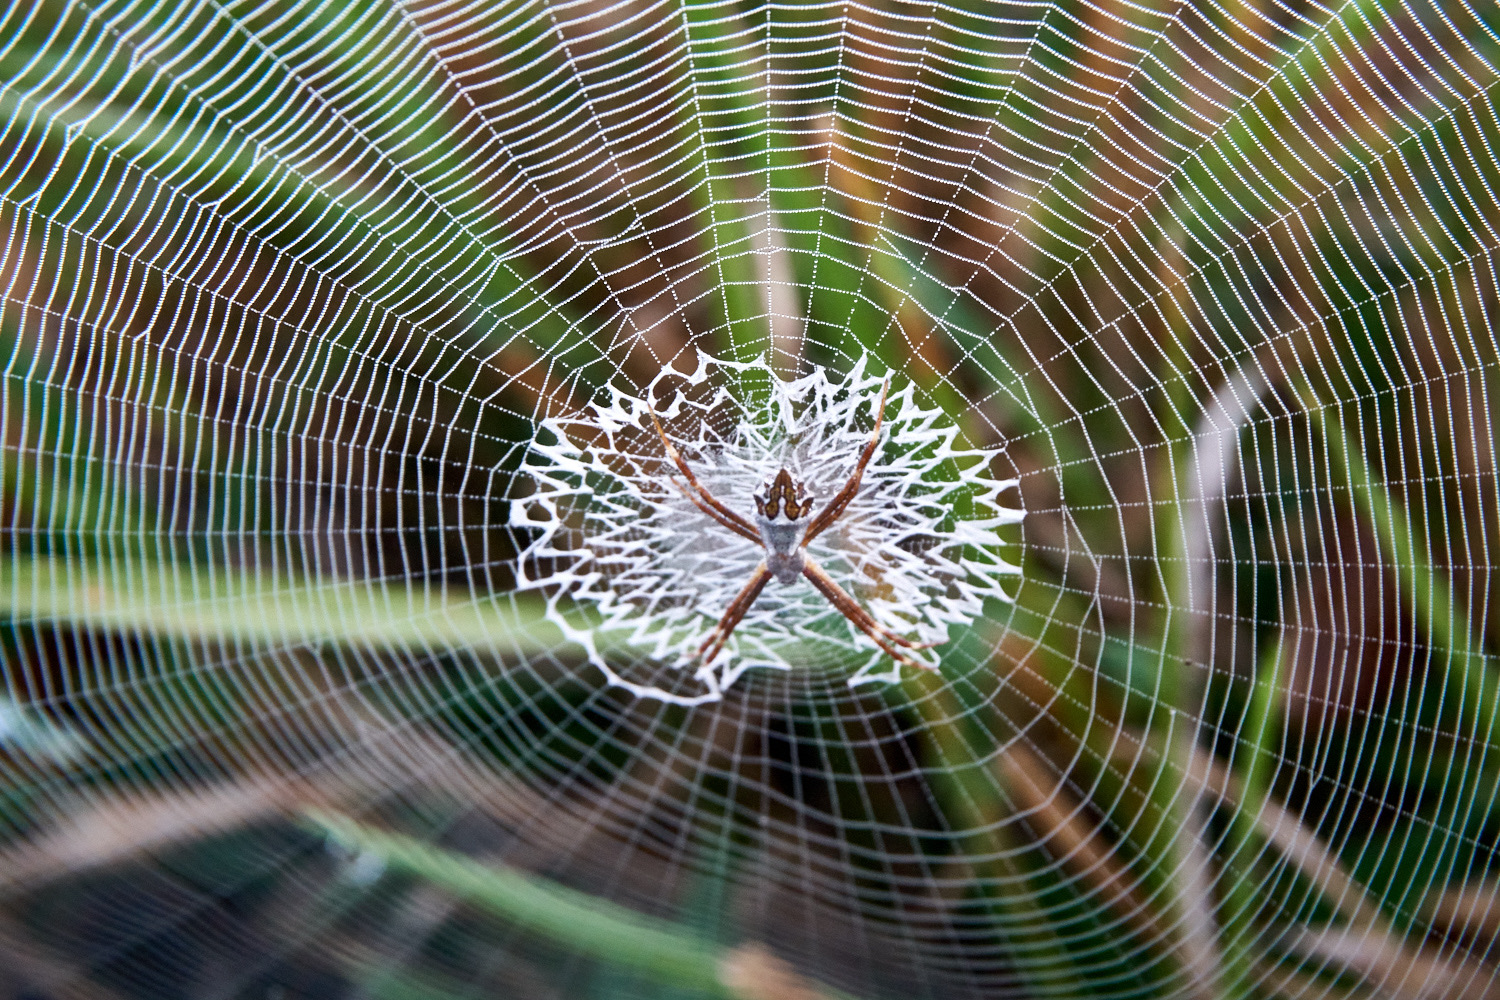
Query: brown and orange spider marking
782	527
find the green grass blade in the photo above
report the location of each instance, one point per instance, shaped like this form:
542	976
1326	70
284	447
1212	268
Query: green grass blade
215	605
582	923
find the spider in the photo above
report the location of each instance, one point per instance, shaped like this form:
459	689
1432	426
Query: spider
783	526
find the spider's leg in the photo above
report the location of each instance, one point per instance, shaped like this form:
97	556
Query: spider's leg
851	609
736	613
710	511
841	500
720	513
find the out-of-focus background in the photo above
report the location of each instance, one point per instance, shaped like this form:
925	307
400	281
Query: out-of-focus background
290	289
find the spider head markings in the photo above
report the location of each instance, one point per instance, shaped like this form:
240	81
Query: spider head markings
782	512
783	491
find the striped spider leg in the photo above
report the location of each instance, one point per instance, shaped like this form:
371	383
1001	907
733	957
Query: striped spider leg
782	526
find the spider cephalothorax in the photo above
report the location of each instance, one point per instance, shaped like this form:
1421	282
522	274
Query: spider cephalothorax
784	524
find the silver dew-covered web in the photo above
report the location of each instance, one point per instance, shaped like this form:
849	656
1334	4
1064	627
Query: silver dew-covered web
350	606
632	566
